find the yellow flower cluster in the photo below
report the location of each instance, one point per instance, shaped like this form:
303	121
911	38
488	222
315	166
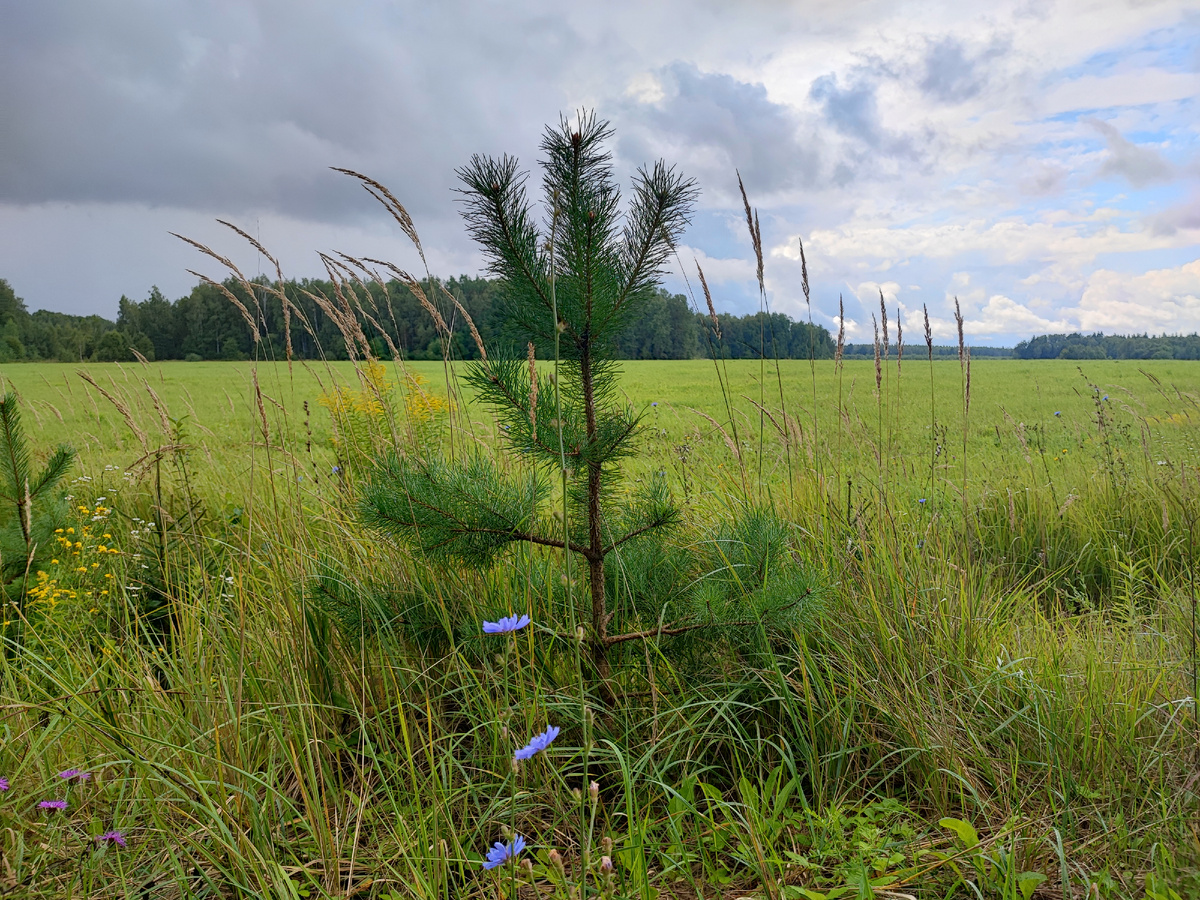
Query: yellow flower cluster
421	405
46	591
368	400
85	550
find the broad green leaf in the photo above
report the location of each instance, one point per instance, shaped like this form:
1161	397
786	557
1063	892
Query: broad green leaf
965	830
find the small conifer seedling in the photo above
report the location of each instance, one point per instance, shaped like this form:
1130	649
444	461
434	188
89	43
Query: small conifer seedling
570	283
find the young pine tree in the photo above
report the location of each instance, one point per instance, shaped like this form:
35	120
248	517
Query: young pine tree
570	283
31	506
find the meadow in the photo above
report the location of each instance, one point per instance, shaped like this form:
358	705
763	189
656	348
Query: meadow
990	692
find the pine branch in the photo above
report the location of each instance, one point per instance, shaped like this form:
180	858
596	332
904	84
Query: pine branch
13	449
56	469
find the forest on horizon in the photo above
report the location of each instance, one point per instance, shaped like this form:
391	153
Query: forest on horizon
205	325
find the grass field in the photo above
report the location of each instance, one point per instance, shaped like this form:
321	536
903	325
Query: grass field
992	696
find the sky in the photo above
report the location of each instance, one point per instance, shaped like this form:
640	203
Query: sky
1037	160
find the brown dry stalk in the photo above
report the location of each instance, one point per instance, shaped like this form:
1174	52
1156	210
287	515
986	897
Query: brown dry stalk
878	367
967	397
899	341
712	312
262	410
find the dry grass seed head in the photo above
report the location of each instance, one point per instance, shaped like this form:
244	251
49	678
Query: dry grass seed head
712	312
883	318
928	333
755	234
878	366
841	337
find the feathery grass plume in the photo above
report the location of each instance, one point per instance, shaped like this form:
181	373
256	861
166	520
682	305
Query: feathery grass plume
958	320
393	206
841	337
123	409
232	298
928	333
899	340
712	312
755	234
804	275
533	390
277	291
883	318
878	366
475	336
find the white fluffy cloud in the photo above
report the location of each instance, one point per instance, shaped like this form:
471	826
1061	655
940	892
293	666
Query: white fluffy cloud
1021	156
1161	300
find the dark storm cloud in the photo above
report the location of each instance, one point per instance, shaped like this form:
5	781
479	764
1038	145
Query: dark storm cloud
230	106
712	124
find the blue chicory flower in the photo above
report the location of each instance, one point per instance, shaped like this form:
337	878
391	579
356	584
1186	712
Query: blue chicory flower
500	853
922	500
539	743
507	624
1058	413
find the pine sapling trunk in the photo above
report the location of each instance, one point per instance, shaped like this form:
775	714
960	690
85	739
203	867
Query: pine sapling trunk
595	554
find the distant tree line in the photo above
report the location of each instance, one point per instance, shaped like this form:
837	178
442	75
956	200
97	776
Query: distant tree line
205	324
1109	346
921	351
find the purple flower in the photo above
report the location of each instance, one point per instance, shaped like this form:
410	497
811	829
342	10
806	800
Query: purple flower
3	784
500	853
539	743
53	804
655	403
68	774
112	836
505	625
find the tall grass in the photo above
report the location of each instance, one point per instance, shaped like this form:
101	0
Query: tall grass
274	702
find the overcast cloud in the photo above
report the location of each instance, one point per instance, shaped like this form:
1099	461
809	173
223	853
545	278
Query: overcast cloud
1040	161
